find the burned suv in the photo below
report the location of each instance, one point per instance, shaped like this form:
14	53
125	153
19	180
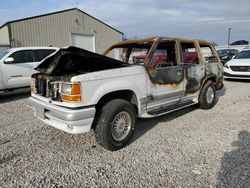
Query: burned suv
77	90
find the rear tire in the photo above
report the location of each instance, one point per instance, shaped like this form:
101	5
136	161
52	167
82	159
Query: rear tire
208	96
115	124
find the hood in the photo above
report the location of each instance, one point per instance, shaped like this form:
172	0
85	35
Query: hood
111	73
75	61
239	62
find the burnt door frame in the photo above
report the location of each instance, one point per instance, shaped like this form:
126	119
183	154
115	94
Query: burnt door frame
194	73
167	83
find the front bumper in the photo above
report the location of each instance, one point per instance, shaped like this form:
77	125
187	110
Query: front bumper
228	73
71	120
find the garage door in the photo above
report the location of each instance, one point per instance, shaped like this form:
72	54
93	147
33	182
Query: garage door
86	42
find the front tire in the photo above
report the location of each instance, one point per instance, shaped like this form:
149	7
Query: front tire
208	96
115	124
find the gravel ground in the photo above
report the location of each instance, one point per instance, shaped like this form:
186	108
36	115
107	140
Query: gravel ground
188	148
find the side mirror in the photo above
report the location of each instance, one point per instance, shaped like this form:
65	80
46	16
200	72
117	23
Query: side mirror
9	60
233	56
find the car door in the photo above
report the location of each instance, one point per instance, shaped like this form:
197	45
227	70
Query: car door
194	69
17	73
3	55
166	76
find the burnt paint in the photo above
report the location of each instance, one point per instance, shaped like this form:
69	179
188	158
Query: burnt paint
170	75
194	76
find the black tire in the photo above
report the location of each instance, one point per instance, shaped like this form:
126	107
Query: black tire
204	101
9	90
105	120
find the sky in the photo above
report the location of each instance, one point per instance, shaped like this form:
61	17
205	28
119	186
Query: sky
208	20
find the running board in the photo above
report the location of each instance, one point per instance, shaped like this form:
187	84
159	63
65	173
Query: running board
168	109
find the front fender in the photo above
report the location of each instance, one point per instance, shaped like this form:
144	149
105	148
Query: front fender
93	91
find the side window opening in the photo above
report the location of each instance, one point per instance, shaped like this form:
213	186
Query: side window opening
164	55
163	66
208	54
41	54
23	56
189	53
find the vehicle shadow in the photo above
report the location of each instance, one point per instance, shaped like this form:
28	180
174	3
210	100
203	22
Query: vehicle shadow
14	95
221	92
146	124
235	165
237	80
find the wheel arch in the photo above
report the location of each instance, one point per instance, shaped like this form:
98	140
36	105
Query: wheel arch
125	94
208	78
211	78
203	103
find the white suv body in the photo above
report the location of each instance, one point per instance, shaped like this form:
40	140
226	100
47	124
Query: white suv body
77	90
17	65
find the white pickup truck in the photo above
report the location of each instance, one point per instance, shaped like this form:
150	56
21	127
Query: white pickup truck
17	65
77	90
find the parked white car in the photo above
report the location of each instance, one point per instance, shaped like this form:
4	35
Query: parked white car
239	66
17	65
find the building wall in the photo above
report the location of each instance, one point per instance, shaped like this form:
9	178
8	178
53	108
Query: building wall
56	30
104	35
4	36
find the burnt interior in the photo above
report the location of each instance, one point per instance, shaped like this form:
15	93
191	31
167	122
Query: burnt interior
49	86
166	69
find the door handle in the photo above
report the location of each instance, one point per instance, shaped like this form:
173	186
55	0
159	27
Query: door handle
14	76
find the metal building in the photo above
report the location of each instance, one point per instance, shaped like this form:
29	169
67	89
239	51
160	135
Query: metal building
64	28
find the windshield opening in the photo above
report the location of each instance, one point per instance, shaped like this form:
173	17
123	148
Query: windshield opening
243	55
131	53
3	53
225	52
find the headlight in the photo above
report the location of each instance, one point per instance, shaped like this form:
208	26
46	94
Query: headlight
71	92
226	66
66	89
